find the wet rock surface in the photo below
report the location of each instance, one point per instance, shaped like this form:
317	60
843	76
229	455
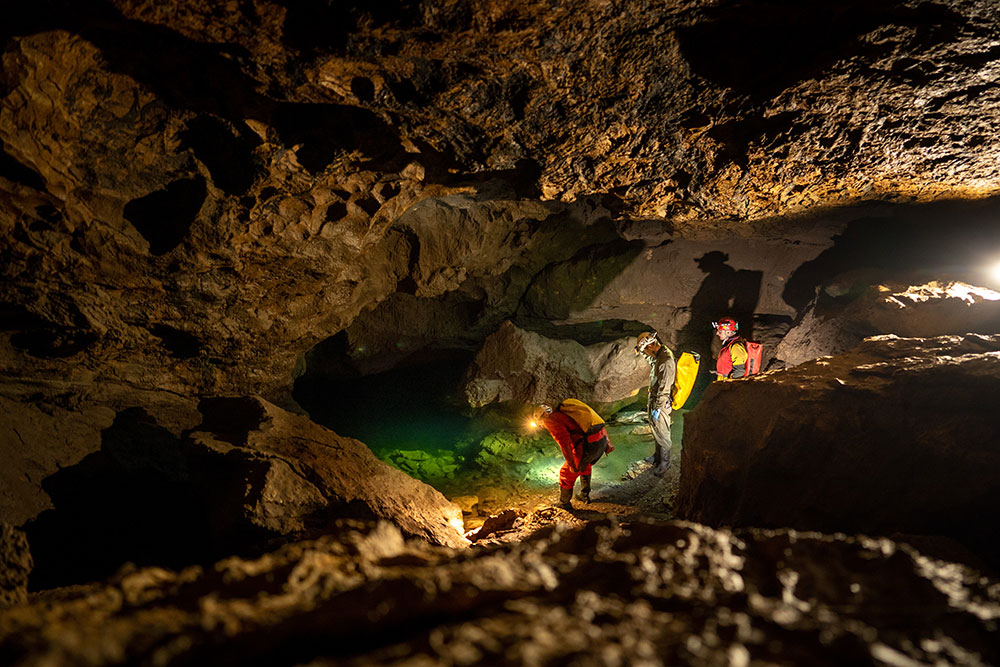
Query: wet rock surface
908	448
658	593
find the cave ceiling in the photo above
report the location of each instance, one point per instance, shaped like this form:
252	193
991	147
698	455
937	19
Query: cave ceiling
193	194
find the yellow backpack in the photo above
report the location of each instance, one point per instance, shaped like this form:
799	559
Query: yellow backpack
687	372
584	416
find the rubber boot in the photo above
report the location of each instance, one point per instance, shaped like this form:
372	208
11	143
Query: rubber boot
564	498
661	461
584	489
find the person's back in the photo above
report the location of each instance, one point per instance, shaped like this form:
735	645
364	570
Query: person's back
580	448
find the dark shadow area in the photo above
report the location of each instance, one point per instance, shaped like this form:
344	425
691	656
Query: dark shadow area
409	407
945	240
574	284
15	172
761	48
42	338
522	178
180	344
227	152
326	130
165	216
319	26
135	500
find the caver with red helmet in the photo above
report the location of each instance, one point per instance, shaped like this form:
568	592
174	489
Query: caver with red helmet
733	356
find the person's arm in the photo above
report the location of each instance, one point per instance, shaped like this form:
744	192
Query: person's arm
565	441
607	448
738	353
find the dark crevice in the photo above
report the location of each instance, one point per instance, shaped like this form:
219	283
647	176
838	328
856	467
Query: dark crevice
165	216
326	131
180	344
15	172
226	152
781	42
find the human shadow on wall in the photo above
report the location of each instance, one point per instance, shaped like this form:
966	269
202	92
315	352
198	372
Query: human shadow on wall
724	291
141	498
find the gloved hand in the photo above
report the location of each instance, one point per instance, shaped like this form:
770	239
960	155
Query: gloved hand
656	415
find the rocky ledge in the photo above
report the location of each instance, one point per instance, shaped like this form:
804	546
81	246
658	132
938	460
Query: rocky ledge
657	594
909	448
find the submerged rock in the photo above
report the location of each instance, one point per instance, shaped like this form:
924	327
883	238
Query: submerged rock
896	435
651	593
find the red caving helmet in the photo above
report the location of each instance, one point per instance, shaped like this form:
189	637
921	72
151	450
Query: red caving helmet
727	324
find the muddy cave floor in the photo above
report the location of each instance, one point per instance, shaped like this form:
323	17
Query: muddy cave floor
623	483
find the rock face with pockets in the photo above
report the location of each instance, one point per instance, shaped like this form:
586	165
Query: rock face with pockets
897	435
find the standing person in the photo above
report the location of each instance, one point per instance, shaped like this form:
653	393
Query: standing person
581	436
732	360
658	406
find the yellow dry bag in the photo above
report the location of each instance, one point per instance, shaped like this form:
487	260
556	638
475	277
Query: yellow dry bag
687	372
584	416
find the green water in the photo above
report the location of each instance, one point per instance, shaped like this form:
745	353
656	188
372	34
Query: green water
411	419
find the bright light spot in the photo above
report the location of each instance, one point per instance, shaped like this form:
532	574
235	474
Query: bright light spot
995	272
937	290
532	424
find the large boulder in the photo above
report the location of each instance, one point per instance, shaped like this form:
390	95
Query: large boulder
298	476
518	365
896	435
249	475
15	565
915	309
641	593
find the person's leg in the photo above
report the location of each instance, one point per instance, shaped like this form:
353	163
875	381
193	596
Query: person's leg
567	477
661	435
584	488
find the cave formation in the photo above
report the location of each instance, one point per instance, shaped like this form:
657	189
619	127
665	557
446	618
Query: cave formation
282	280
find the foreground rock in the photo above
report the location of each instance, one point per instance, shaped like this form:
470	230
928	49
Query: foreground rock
896	435
250	475
518	365
302	474
670	593
15	564
921	310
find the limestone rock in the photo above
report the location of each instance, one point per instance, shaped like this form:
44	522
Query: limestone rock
300	475
652	593
895	435
518	365
911	310
15	566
